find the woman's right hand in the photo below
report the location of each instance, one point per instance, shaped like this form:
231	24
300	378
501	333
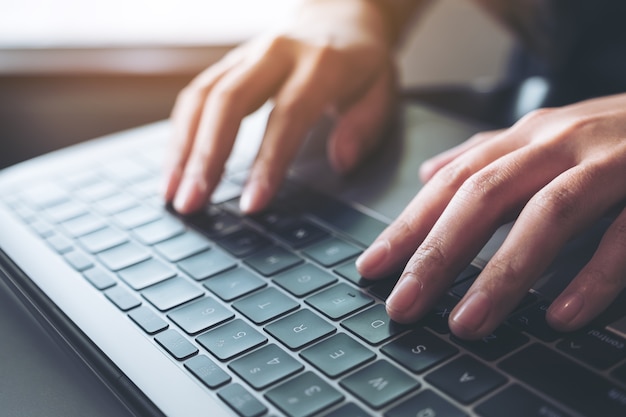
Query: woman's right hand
334	57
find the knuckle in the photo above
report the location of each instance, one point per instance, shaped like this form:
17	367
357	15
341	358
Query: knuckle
559	205
430	254
452	175
228	94
486	185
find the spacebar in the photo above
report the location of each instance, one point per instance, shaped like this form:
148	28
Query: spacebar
566	381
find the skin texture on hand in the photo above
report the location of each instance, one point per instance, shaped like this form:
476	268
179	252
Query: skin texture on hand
556	171
333	58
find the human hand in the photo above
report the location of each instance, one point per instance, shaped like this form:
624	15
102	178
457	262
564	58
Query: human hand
334	58
557	171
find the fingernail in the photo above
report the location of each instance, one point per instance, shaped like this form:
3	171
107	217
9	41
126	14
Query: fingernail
567	309
471	315
189	193
405	294
252	198
373	257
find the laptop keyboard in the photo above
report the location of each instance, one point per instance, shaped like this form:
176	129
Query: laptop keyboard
269	313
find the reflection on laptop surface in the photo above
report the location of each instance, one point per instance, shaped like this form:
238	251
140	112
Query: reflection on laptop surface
222	314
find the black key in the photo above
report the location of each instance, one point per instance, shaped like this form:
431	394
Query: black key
99	278
150	322
331	251
231	339
159	230
200	315
175	344
102	239
437	318
373	325
123	256
419	350
619	373
495	345
146	273
470	272
337	355
244	242
382	289
426	404
299	329
339	301
206	264
82	225
60	243
234	283
349	272
461	289
304	395
465	379
122	298
272	260
265	305
304	279
78	260
240	400
533	321
515	401
564	380
214	222
265	366
183	246
171	293
349	410
596	347
136	216
273	218
300	233
207	371
379	384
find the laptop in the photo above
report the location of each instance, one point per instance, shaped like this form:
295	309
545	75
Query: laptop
221	314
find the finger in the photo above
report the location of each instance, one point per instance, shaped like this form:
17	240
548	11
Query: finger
484	201
185	119
397	243
565	207
434	164
236	94
359	130
596	285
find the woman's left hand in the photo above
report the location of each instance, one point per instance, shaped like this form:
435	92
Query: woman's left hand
557	171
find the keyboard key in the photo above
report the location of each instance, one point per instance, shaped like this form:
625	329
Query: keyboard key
532	320
495	345
331	251
207	371
46	194
60	243
349	410
300	233
234	283
214	222
175	344
183	246
596	347
265	366
515	401
206	264
65	211
437	318
265	305
115	204
96	191
619	373
564	380
426	404
123	256
419	350
465	379
99	278
304	279
373	325
102	239
379	383
158	230
136	216
349	272
42	228
339	301
272	260
303	396
337	355
146	273
122	298
82	225
200	315
231	339
244	242
78	260
149	321
299	329
240	400
171	293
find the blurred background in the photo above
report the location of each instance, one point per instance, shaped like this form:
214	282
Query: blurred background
71	70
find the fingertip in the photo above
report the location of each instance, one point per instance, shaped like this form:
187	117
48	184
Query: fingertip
371	262
469	319
564	313
190	196
254	198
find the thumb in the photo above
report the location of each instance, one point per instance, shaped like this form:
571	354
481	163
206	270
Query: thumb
359	129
